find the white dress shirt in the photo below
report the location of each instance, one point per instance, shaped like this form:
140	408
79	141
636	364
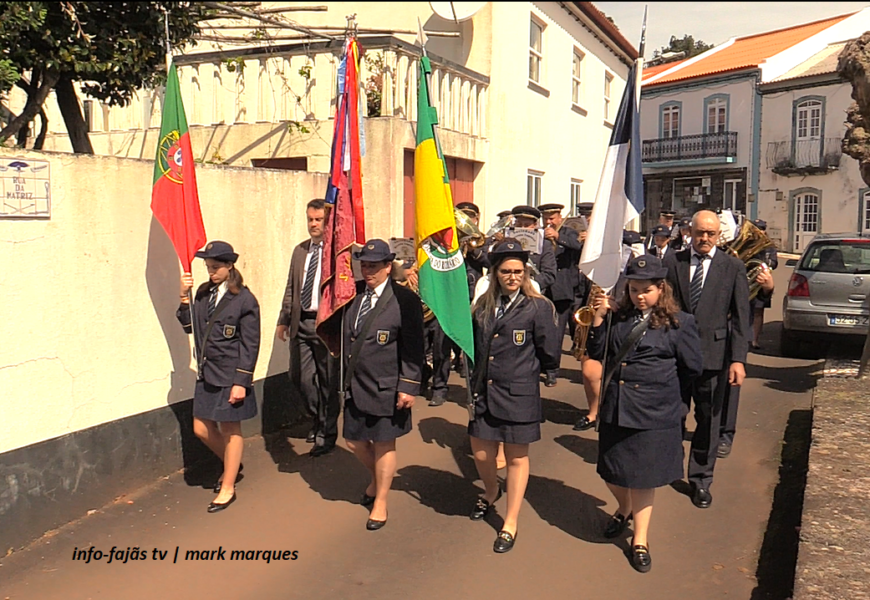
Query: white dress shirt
694	264
513	298
315	296
222	289
378	291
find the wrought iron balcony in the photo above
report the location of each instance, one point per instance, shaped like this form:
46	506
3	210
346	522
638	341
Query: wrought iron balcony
804	157
691	147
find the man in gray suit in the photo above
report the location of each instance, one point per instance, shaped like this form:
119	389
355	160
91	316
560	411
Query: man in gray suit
711	285
312	368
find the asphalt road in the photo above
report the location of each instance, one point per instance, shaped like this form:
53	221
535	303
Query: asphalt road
429	548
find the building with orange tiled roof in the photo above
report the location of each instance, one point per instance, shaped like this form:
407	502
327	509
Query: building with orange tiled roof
807	185
701	118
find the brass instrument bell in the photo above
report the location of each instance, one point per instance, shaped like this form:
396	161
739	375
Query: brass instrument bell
468	232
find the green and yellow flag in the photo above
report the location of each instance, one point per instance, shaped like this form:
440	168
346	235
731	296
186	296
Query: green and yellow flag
441	267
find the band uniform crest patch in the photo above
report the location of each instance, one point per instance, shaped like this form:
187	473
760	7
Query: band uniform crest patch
383	336
519	337
229	331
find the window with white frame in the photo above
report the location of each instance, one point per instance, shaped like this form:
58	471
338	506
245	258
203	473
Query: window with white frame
608	83
865	215
536	49
577	77
670	122
716	115
809	120
534	179
575	195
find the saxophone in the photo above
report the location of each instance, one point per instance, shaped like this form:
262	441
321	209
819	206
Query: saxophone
583	317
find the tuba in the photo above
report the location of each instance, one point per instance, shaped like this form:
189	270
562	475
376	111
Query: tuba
500	225
583	317
746	245
469	234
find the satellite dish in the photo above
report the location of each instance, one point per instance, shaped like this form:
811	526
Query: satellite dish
456	11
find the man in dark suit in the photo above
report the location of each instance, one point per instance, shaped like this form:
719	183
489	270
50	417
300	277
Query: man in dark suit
711	285
312	368
384	355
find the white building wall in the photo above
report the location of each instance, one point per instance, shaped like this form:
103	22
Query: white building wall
838	190
530	130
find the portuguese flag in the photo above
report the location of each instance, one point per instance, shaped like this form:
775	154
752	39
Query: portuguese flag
174	199
443	280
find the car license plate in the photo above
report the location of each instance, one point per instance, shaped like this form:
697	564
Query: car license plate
848	320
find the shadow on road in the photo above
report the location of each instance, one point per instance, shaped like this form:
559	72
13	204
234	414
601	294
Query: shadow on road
576	513
779	549
337	476
559	412
436	430
444	492
583	447
792	379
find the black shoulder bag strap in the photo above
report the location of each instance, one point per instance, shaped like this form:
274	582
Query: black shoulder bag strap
200	352
632	339
356	347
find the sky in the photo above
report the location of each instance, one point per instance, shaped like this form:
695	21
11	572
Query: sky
715	22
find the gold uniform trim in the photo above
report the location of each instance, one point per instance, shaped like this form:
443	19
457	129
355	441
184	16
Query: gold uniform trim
246	372
408	380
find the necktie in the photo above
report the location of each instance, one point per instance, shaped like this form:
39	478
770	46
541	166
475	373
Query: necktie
308	285
365	308
697	285
661	254
505	300
212	301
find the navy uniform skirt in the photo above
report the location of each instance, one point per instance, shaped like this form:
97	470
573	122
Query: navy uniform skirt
363	427
640	458
485	426
212	402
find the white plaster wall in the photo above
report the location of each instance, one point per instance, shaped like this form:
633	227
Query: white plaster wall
530	131
90	294
839	189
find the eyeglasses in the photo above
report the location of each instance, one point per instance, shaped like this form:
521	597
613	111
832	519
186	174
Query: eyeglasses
511	272
702	234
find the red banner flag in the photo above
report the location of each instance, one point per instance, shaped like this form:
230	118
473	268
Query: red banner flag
345	220
174	199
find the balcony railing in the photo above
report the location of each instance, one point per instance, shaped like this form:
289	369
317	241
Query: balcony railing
691	147
804	157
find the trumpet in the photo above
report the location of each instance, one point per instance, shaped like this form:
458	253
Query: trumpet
583	317
469	234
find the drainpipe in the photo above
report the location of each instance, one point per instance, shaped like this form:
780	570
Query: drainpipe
755	163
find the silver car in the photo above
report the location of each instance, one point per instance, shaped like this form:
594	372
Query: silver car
828	293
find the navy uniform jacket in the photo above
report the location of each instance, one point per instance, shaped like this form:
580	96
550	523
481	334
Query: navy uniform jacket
230	353
644	392
567	253
722	314
511	352
391	355
545	262
475	262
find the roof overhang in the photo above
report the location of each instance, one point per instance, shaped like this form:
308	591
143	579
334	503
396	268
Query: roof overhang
606	32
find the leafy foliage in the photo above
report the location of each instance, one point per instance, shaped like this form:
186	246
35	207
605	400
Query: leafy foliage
687	45
113	48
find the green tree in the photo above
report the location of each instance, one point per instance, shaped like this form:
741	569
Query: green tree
680	48
110	48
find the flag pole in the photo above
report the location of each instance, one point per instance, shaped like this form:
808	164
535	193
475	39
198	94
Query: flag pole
601	389
428	76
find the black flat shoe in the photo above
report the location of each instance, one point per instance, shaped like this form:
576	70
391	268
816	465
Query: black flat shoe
366	500
584	424
321	450
616	525
214	507
483	508
309	439
701	497
640	558
217	486
373	525
504	542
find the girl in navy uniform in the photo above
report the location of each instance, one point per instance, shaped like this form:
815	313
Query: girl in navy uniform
516	338
227	332
654	349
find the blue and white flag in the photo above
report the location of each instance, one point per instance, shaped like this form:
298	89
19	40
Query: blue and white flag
619	198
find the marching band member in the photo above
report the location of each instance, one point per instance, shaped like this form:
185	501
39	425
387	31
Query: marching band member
515	339
654	350
567	248
661	236
227	332
384	324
